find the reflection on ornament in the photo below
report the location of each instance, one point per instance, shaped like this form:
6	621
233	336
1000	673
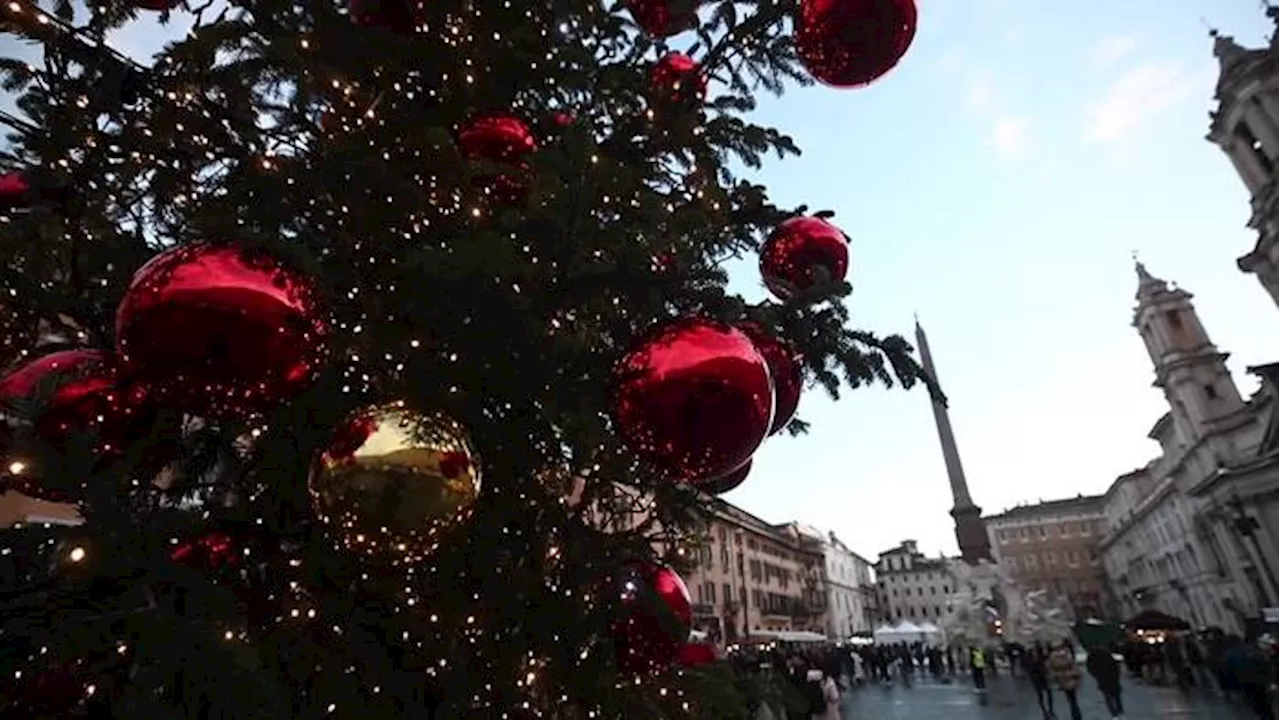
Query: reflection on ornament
392	479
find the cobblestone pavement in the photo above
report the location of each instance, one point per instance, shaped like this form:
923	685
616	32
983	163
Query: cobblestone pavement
1013	699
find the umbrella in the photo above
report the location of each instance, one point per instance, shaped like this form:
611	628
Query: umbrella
1156	620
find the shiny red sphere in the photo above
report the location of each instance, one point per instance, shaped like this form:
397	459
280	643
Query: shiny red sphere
399	16
220	330
87	396
496	137
800	253
784	369
664	18
695	654
656	617
677	79
210	552
725	483
849	43
694	398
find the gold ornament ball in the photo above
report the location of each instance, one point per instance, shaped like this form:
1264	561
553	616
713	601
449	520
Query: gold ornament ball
392	478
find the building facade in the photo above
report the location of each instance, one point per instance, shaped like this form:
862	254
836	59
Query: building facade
751	576
848	578
911	586
1054	546
1194	532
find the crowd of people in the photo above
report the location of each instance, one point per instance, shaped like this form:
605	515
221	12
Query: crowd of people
1223	664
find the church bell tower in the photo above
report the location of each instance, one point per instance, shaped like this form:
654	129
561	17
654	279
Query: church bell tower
1189	368
1244	126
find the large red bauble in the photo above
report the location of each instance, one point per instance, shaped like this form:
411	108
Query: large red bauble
87	395
677	79
694	398
496	137
399	16
15	191
849	43
784	369
725	483
664	18
503	139
800	253
221	330
656	617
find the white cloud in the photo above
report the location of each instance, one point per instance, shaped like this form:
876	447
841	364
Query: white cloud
1009	137
1112	50
952	61
1136	96
981	94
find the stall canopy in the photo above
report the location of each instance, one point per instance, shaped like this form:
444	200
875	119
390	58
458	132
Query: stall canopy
1156	620
885	635
930	631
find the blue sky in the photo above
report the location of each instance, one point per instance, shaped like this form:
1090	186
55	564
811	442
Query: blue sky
996	183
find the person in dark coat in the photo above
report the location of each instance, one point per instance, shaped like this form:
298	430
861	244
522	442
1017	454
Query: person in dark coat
1033	662
1105	670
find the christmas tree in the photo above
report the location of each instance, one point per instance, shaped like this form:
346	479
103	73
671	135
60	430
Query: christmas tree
385	347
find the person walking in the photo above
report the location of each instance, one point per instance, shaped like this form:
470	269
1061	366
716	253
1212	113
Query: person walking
830	699
978	664
1034	663
1105	670
1066	674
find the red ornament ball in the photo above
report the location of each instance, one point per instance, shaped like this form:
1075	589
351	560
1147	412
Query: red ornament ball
399	16
784	369
695	654
849	43
15	191
221	330
86	395
656	617
502	139
725	483
800	253
676	79
496	137
694	398
664	18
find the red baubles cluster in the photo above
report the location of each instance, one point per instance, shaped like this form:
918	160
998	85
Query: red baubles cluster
220	330
655	618
504	139
850	43
695	399
801	253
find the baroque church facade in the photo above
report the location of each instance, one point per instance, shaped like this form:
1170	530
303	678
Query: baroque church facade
1194	532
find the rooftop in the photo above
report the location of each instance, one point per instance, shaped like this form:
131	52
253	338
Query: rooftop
1077	504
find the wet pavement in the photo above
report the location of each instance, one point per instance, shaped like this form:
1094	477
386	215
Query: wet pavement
1013	699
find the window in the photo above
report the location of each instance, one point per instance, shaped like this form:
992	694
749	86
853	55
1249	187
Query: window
711	593
1174	318
1042	532
933	590
920	592
728	592
1211	392
945	590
